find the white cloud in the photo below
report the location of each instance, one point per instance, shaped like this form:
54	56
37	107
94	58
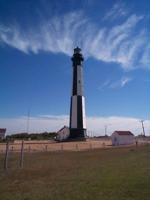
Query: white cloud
120	83
121	43
104	85
115	84
95	125
36	124
116	11
145	60
118	44
124	81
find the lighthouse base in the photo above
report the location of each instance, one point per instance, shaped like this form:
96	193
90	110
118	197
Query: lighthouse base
77	134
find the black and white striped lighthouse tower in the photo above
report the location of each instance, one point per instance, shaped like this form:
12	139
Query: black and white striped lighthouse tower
77	107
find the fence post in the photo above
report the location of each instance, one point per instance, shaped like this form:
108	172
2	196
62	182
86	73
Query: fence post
90	146
12	148
21	154
62	147
77	147
103	144
6	156
46	147
29	148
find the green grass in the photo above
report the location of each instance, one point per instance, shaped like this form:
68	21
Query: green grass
109	174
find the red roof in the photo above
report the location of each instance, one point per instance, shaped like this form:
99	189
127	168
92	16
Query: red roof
124	132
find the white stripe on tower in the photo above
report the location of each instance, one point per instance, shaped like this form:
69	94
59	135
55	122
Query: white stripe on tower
74	112
83	112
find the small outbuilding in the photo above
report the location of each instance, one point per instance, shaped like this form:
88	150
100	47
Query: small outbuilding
122	138
2	133
62	134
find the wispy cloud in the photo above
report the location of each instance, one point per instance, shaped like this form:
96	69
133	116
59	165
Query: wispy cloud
96	125
123	43
104	85
120	83
115	84
124	81
119	9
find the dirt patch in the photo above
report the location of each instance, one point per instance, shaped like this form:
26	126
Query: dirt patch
49	145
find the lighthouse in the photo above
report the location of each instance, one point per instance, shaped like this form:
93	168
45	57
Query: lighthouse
77	106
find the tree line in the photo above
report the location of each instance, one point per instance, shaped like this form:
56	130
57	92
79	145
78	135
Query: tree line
31	136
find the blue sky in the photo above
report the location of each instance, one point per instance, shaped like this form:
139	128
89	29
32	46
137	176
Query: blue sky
37	39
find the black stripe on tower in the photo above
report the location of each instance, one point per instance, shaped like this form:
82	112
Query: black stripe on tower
74	92
79	112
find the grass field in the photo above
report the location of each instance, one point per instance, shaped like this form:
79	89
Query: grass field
104	174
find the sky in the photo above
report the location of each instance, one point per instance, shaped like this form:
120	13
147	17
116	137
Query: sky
37	39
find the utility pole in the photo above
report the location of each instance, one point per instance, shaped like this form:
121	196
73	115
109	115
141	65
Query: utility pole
6	156
106	128
28	121
21	154
142	122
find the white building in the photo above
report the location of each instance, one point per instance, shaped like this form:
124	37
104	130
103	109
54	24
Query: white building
62	134
2	133
122	138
